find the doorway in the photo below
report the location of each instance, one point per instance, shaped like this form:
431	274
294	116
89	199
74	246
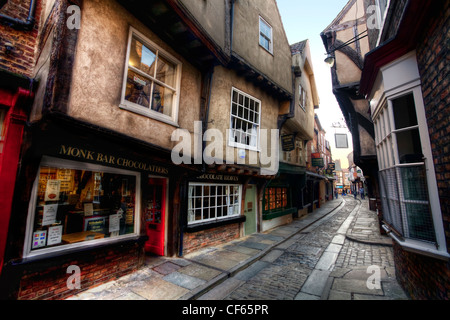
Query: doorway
154	195
250	225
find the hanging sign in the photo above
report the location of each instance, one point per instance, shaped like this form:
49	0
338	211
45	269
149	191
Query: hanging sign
288	142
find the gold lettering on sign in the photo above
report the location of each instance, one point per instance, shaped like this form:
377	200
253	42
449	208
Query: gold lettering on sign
110	159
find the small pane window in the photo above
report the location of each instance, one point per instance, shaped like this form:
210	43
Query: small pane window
265	35
404	112
245	117
152	80
209	202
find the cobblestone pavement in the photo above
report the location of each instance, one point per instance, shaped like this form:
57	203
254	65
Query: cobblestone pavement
318	263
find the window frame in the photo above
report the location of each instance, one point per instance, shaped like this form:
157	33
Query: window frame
141	110
231	138
302	99
387	153
270	49
75	165
215	219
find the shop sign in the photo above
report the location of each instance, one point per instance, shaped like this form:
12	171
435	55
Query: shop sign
288	142
109	159
317	162
332	166
219	177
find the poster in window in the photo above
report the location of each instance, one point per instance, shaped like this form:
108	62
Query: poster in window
49	216
39	238
54	235
114	222
95	224
52	190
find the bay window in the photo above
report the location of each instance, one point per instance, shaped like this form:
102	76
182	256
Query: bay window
76	204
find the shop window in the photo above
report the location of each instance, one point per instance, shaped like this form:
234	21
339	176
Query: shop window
245	120
276	199
265	35
212	202
152	80
77	203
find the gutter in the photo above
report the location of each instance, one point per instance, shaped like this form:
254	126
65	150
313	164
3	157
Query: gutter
20	24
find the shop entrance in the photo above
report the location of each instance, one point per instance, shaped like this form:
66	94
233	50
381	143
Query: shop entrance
250	210
154	195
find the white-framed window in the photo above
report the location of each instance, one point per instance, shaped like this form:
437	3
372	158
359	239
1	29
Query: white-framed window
152	80
208	202
407	179
302	97
245	120
75	205
265	35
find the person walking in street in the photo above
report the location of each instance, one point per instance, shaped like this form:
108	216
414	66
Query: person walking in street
361	191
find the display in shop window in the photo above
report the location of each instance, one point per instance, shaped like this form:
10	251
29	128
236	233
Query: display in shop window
74	206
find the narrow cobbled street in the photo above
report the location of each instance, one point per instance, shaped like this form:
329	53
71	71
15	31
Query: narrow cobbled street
319	262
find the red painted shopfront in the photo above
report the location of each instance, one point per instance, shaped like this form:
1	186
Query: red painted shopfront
13	117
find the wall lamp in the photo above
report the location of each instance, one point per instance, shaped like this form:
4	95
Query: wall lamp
330	60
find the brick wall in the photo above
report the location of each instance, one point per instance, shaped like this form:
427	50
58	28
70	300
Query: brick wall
206	238
423	278
22	59
49	281
433	57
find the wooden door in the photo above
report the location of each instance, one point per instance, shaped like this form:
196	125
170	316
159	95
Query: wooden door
155	213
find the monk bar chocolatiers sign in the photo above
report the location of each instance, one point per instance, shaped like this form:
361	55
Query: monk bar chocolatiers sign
109	159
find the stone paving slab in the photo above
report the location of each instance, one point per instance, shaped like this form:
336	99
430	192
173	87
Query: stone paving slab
199	271
158	289
184	280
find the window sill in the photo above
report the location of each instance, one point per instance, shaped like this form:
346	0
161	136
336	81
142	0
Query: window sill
213	224
79	249
149	114
418	247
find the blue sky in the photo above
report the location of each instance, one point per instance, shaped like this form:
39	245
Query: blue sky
306	19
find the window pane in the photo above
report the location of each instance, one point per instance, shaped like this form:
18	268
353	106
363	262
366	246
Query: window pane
138	89
162	100
166	72
404	112
77	205
142	57
409	146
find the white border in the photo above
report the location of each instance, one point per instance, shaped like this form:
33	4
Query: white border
124	104
231	142
69	164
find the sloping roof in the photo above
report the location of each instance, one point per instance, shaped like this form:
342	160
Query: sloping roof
298	47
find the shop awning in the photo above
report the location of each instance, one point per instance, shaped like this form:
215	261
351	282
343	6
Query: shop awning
315	175
290	169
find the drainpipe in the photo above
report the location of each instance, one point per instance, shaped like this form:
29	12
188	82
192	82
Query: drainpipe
19	24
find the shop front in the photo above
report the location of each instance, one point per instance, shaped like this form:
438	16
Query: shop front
283	196
214	213
97	204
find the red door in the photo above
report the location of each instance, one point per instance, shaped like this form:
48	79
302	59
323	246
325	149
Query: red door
155	212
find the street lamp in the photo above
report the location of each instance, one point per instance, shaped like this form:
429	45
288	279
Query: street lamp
330	60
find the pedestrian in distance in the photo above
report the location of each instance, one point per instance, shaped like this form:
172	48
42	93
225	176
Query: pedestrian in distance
361	191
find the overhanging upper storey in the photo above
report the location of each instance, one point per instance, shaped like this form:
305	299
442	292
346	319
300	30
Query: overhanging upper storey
173	23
